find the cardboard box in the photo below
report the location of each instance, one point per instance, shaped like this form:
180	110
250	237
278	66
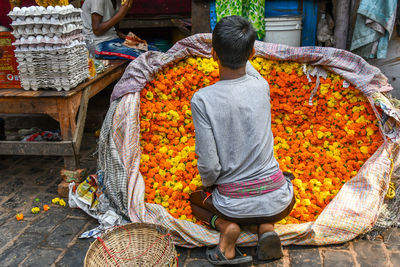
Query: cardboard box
8	64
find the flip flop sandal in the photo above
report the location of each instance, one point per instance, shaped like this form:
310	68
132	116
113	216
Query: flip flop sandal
216	257
269	247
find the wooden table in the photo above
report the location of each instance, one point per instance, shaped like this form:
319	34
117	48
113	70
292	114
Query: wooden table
62	106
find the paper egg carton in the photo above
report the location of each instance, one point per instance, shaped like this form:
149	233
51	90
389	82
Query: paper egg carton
47	30
60	69
42	40
42	20
58	84
50	11
51	46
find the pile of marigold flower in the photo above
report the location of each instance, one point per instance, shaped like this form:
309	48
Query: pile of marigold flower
323	144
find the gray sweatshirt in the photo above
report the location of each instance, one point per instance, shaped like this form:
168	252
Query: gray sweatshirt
234	143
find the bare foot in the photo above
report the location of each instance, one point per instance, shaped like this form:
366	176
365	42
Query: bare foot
229	234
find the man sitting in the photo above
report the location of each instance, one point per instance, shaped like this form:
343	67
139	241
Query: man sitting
234	144
99	19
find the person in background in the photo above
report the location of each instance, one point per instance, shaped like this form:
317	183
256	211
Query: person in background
235	148
99	20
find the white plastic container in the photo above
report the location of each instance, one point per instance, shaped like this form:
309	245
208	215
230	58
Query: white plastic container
283	30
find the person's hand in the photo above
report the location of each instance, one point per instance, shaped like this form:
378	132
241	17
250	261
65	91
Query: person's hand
125	6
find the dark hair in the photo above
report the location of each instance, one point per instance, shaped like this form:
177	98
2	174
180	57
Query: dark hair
233	40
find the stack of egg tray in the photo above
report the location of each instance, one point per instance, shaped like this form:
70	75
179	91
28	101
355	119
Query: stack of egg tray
49	47
60	69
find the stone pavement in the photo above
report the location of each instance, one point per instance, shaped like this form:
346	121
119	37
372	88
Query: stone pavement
51	238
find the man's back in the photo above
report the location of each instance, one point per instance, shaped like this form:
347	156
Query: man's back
238	111
234	143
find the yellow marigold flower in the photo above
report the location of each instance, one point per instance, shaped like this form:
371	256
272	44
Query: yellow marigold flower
191	61
163	150
324	194
188	113
337	95
165	204
324	88
305	202
35	210
181	166
334	192
306	144
331	102
326	144
62	202
283	221
184	139
149	95
187	190
316	189
364	149
297	182
307	132
55	200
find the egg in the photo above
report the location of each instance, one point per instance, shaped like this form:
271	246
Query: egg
53	20
53	28
57	9
50	9
16	10
37	19
39	38
41	9
24	10
28	20
31	10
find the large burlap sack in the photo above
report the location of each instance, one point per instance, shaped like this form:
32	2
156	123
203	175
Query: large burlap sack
352	212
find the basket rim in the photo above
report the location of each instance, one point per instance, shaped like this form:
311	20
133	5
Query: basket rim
128	226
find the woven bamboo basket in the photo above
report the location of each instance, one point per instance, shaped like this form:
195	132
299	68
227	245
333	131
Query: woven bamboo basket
134	244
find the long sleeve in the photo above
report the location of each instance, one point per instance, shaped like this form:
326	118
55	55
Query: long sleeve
208	162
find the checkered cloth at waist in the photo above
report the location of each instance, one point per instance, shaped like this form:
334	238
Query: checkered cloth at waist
253	188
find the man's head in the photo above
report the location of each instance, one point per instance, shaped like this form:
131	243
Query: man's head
233	40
